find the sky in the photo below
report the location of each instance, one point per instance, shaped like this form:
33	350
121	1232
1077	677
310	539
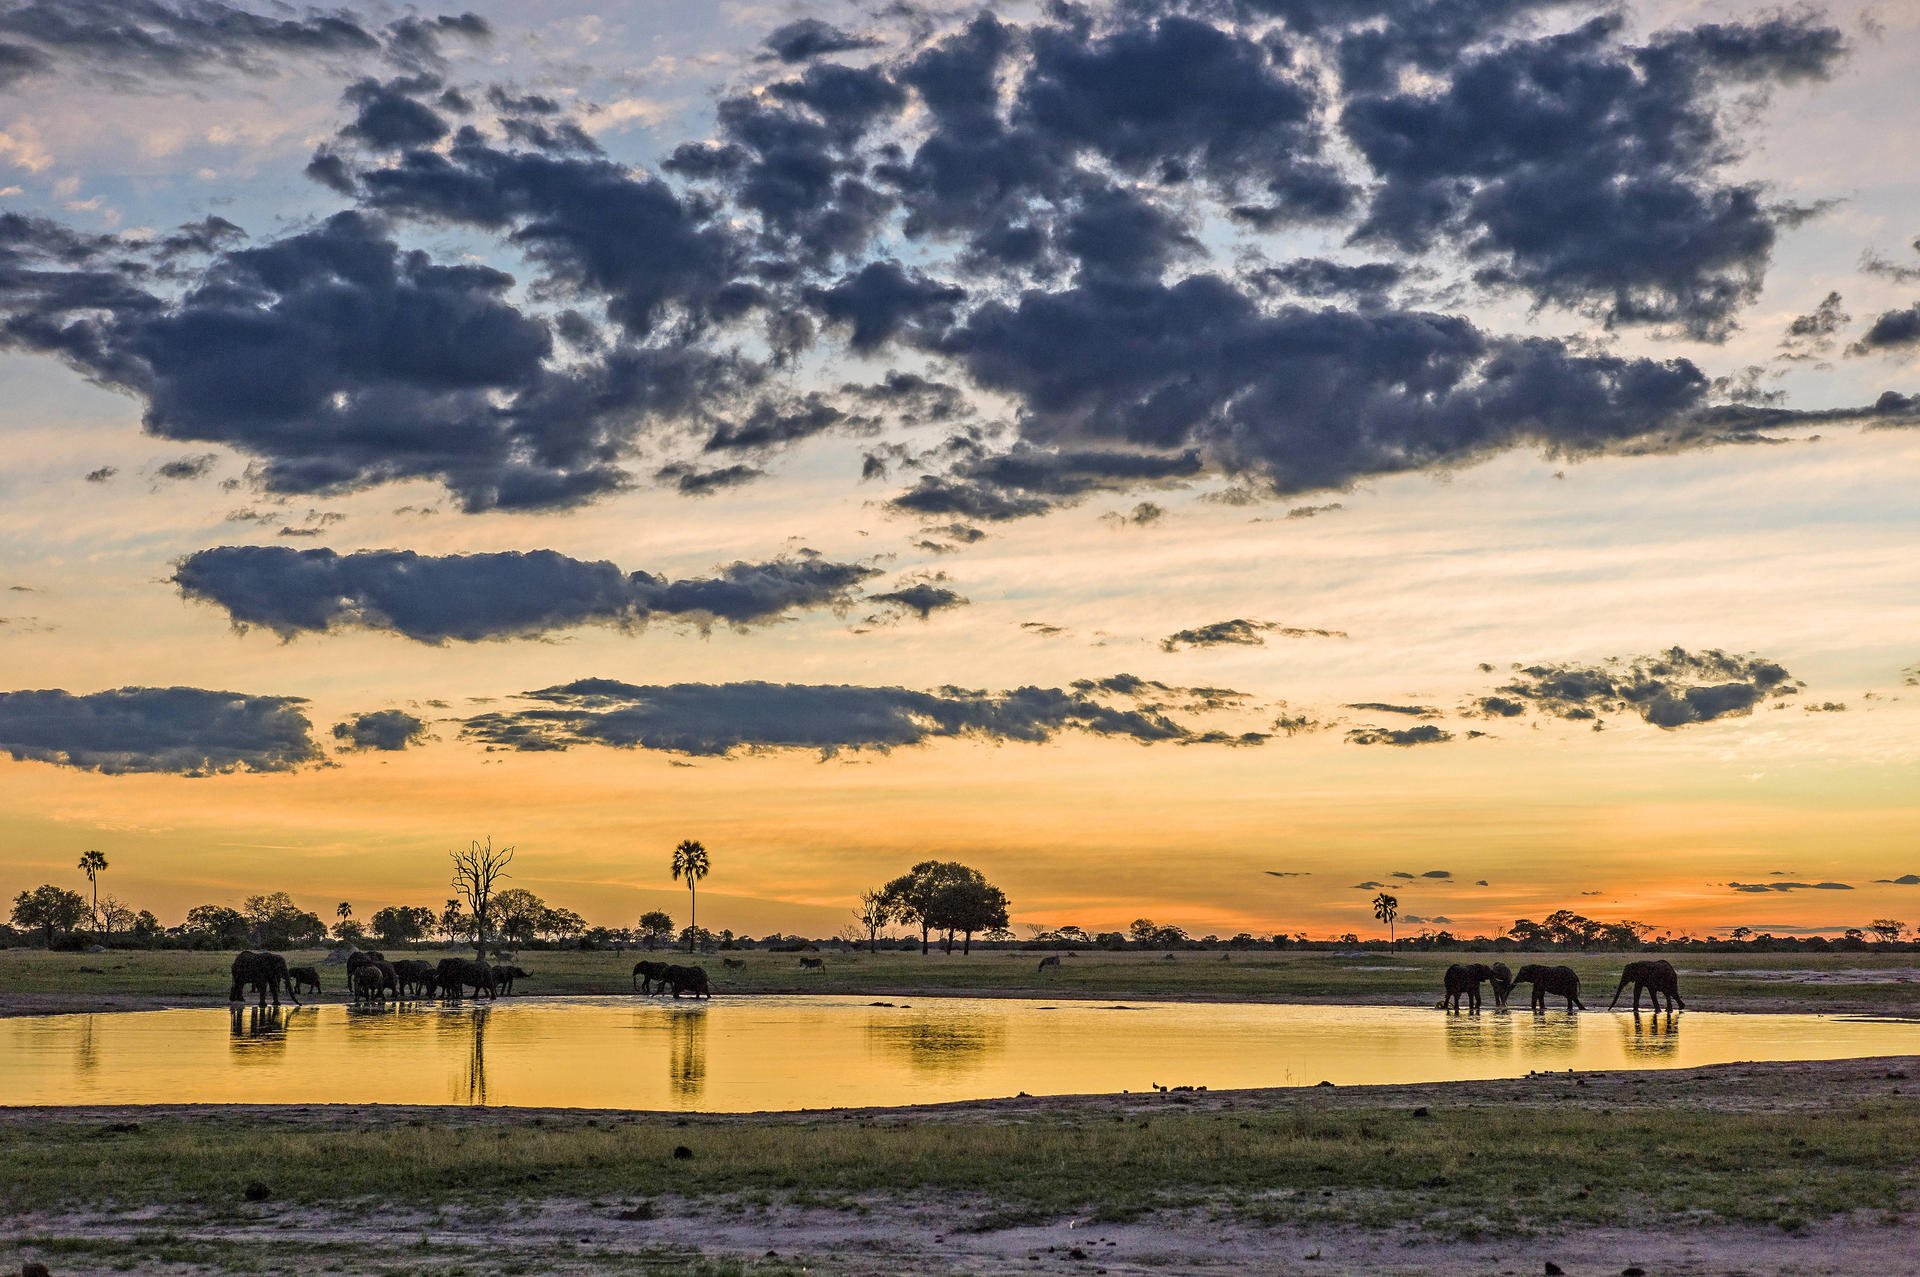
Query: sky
1207	461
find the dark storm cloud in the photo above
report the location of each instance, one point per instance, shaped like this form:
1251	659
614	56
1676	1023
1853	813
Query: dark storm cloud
718	718
1904	880
471	597
1813	332
807	38
1382	707
341	361
1426	734
882	300
195	467
694	482
1760	888
1241	632
132	40
387	117
386	730
770	425
921	597
1318	278
185	730
1671	689
1893	330
1588	172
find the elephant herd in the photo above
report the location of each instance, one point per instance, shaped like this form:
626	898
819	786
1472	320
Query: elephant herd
663	977
371	978
1463	980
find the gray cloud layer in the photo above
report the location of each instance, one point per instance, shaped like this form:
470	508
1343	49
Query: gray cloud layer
157	729
469	597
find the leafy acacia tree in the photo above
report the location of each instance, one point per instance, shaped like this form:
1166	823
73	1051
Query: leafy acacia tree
1386	908
219	926
49	909
656	927
946	896
690	862
93	864
476	872
1888	929
278	923
912	896
517	913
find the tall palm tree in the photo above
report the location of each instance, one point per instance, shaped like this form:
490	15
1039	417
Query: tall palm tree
1386	908
95	863
690	862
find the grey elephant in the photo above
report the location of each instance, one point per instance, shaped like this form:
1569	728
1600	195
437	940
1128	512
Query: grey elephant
689	980
504	976
1657	976
1502	984
305	979
455	974
646	974
264	973
415	977
1464	980
1562	982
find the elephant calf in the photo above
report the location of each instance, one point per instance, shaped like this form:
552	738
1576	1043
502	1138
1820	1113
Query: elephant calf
504	976
1657	976
305	979
1560	981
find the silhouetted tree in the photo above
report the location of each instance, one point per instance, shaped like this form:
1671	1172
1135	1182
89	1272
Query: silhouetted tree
656	925
94	863
277	923
967	903
49	909
403	924
875	912
914	896
220	926
476	872
690	862
1887	929
1386	908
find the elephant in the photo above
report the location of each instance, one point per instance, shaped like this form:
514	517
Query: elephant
645	974
813	964
504	976
455	974
415	977
1050	961
689	980
1657	976
375	981
304	978
264	973
1561	981
1463	980
1502	984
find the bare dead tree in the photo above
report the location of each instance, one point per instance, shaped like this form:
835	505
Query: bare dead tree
475	871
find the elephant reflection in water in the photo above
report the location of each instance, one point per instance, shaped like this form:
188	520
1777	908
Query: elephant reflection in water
259	1033
1484	1037
1657	1034
937	1045
687	1058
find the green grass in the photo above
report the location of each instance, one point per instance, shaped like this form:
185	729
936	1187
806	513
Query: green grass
1724	981
1463	1166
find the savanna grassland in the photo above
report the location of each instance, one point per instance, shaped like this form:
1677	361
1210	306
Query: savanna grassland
1477	1173
33	980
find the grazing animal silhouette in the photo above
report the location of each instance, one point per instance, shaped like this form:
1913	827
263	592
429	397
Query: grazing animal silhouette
813	964
1561	981
455	974
1502	984
375	982
689	980
1656	976
304	978
645	974
504	976
1052	960
733	964
264	973
1464	980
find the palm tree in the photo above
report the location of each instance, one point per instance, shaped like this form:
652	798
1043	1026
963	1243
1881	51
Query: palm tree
95	863
344	912
690	862
1386	908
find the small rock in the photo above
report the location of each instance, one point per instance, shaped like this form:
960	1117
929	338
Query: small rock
255	1191
681	1153
1323	1084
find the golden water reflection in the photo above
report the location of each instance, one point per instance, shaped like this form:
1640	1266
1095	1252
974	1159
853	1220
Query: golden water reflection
744	1054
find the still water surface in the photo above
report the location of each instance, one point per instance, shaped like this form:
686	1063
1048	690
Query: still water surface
742	1055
